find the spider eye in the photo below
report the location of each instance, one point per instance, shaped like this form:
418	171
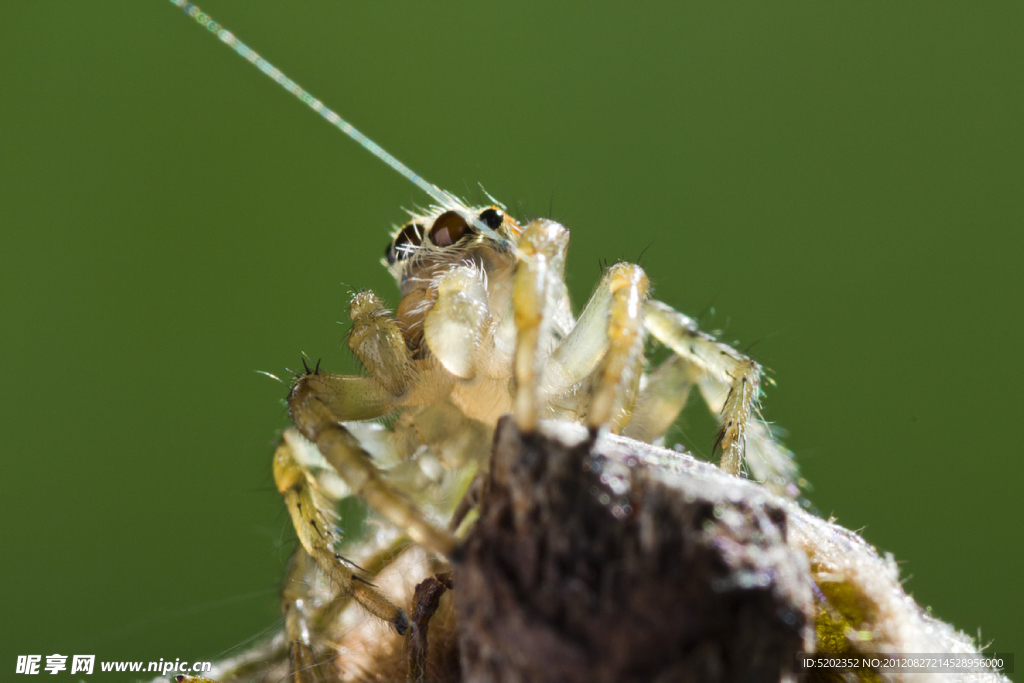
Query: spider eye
448	229
404	243
492	218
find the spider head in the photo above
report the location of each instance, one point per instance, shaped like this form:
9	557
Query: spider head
447	237
423	250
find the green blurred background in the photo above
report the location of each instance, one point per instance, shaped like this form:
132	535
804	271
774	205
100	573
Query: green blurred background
841	183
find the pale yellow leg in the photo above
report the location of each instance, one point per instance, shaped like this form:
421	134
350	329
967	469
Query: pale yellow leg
535	296
313	517
769	461
605	350
619	376
324	622
723	366
349	397
318	420
581	352
661	400
378	343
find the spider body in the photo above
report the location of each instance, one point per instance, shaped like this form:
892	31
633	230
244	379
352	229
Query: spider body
484	327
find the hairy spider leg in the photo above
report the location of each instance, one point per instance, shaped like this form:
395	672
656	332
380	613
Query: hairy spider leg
314	519
731	385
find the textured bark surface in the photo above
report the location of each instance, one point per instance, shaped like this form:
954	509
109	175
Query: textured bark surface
615	560
585	567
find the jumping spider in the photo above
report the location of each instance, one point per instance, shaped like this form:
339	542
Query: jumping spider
484	328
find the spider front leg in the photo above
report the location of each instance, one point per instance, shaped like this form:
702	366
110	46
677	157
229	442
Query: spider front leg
731	385
537	293
377	342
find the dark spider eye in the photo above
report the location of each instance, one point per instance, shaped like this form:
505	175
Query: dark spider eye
405	243
492	218
448	229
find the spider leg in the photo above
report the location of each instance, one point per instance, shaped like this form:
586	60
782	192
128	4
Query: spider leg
661	400
377	342
322	618
356	398
313	517
536	295
769	461
615	391
325	621
318	403
731	385
605	345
